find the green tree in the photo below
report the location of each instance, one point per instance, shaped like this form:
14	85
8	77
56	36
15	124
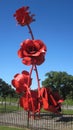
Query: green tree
61	81
6	89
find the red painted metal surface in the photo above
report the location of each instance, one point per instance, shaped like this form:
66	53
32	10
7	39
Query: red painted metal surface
32	52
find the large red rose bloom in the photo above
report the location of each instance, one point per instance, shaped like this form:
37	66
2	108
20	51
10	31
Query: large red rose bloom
32	52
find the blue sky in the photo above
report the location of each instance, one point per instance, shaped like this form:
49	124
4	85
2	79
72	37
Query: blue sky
53	25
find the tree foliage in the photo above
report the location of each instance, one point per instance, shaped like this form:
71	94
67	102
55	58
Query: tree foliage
6	89
61	81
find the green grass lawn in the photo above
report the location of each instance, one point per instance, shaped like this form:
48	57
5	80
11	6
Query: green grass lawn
68	112
11	128
16	107
62	112
8	108
68	102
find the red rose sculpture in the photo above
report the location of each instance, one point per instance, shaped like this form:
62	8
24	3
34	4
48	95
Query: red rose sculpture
22	82
23	17
32	52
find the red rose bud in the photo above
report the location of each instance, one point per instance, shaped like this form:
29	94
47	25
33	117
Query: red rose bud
23	17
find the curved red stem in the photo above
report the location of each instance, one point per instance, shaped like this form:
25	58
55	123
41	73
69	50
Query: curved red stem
35	68
30	31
